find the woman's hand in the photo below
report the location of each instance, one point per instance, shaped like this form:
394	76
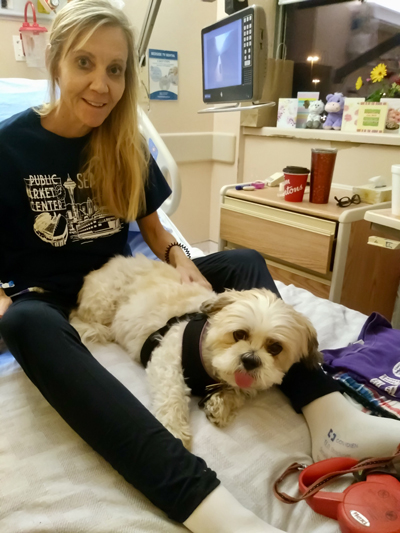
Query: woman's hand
158	239
5	303
190	273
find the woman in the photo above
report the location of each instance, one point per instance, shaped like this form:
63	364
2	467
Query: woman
72	175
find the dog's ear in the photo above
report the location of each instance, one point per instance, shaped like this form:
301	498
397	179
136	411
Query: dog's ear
213	305
313	357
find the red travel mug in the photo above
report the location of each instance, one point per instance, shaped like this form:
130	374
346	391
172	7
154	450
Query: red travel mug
295	183
322	165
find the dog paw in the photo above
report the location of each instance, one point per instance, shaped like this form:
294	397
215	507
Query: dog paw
215	420
218	412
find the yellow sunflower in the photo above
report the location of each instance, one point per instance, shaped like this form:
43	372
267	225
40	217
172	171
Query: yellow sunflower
359	83
378	73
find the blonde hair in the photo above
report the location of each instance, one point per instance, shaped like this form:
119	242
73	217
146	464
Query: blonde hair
117	157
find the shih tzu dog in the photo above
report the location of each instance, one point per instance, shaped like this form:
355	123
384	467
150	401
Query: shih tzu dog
223	347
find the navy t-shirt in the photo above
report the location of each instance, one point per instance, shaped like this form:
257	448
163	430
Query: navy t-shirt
51	232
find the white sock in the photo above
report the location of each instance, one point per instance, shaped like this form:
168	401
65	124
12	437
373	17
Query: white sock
220	512
339	429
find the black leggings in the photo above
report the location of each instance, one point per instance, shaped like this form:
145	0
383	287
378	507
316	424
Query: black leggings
106	415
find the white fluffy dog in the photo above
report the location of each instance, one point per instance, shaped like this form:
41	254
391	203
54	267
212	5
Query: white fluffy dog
251	338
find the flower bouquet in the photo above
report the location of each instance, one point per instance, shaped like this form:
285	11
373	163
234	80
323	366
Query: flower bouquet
388	84
385	89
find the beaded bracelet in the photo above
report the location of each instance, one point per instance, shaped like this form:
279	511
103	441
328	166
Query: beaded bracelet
168	249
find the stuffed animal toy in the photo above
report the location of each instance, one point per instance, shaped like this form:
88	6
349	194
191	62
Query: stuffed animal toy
314	117
334	108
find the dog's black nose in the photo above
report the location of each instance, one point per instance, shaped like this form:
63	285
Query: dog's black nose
250	360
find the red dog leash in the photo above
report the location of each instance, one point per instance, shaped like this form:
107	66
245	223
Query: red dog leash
371	504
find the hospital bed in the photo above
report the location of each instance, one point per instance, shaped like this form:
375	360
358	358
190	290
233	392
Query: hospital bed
51	481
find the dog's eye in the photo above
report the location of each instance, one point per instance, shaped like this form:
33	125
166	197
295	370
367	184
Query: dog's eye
240	335
275	348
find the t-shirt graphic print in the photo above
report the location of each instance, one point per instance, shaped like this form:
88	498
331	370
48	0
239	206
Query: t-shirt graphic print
52	233
63	213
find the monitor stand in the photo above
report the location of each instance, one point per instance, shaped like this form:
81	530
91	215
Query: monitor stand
234	107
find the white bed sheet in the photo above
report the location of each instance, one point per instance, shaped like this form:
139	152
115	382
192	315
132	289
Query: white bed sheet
51	481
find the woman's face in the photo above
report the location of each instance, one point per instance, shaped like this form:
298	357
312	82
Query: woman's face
91	81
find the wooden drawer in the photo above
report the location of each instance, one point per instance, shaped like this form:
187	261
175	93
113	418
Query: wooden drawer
288	277
298	239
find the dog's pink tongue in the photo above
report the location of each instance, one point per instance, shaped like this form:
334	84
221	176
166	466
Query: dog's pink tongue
243	380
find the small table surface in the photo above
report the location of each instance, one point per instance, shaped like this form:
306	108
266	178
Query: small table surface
383	220
269	196
383	217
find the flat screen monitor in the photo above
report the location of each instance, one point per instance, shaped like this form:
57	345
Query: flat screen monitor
234	57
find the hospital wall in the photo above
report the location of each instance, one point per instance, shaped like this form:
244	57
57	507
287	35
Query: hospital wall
178	28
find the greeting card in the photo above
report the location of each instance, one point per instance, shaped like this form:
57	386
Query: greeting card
393	116
304	100
372	117
350	113
287	113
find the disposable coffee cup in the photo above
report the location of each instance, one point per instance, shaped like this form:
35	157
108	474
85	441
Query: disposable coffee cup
322	166
295	183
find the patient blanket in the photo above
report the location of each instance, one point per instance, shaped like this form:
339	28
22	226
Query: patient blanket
374	359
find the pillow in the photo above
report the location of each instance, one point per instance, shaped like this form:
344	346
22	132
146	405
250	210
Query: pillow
17	94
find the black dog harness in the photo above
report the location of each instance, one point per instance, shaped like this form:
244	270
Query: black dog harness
196	376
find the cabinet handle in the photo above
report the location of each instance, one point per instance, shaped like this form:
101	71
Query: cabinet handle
389	244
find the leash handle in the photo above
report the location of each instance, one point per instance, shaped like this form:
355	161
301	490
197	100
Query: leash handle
366	465
282	496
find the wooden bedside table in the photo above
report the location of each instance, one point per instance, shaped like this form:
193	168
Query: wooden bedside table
319	247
